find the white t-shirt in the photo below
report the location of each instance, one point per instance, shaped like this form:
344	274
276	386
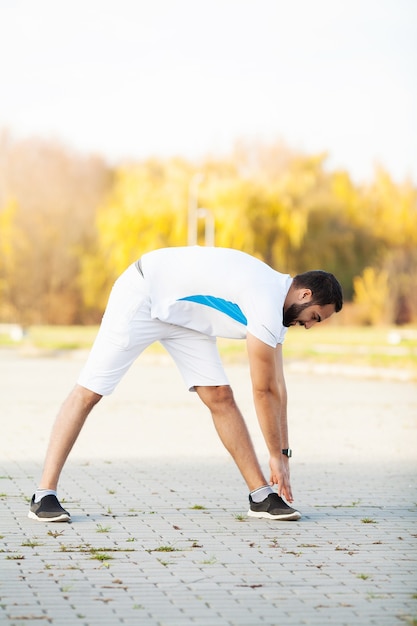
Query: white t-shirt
217	291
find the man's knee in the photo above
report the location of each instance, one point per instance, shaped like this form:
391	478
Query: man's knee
216	397
85	396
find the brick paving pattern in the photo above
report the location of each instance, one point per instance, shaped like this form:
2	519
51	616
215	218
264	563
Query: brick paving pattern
159	534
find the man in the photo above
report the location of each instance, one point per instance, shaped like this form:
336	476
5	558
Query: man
185	298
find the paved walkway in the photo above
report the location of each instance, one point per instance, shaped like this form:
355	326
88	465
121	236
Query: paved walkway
159	533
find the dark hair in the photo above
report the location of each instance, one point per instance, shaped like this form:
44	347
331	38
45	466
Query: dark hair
324	286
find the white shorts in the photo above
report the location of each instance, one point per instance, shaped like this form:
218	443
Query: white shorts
127	329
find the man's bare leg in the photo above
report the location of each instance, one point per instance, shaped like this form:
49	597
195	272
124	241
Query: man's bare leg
65	431
233	432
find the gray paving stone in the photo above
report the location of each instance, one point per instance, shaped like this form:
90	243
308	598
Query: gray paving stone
355	460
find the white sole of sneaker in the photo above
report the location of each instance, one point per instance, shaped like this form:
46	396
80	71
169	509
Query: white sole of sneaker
284	517
60	518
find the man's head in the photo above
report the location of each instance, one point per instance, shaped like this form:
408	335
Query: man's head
313	297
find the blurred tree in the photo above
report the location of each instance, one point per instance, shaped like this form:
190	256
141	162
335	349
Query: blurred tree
259	200
13	244
391	211
69	225
372	296
54	193
401	266
146	208
334	244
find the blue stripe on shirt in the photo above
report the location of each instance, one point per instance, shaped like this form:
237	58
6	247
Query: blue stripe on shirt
229	308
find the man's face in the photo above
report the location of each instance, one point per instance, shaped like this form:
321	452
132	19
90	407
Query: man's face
306	314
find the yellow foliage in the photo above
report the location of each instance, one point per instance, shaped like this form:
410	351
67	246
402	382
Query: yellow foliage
13	246
226	197
372	296
77	223
145	209
7	230
391	210
7	251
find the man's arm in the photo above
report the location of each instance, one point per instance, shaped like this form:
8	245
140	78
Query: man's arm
270	398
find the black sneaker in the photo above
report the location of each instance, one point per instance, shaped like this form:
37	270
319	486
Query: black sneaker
273	507
48	509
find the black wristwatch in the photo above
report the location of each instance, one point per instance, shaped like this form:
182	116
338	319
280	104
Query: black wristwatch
287	452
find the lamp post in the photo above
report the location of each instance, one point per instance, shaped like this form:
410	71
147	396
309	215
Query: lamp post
195	213
207	215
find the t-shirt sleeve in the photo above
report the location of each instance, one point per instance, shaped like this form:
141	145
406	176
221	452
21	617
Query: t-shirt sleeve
263	309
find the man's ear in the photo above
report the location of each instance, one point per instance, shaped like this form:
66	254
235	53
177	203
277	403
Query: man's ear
305	295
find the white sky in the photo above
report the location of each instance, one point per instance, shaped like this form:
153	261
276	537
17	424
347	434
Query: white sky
134	78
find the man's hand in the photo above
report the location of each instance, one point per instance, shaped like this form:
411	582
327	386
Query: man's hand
280	476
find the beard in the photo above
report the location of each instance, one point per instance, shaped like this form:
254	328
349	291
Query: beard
290	316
